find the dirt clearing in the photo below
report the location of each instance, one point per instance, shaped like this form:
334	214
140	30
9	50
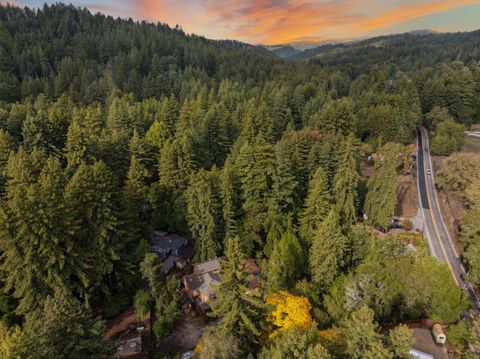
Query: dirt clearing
407	194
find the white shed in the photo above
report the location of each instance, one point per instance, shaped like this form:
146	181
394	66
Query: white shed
439	334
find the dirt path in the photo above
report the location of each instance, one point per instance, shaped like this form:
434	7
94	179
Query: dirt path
186	334
124	324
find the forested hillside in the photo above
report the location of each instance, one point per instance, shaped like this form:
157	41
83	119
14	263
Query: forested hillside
111	128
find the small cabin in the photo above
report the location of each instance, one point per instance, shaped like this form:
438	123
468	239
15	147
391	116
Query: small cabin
439	334
165	244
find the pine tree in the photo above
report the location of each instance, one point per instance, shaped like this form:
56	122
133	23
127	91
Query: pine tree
238	311
381	198
167	305
7	145
336	117
286	261
275	225
177	163
256	167
230	193
155	138
63	330
92	206
362	340
83	136
325	154
135	198
137	147
36	244
214	140
346	182
327	251
317	206
204	215
284	187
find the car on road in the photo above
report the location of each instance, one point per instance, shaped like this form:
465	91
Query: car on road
429	172
426	149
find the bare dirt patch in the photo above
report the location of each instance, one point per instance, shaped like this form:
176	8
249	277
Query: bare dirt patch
185	335
124	324
407	194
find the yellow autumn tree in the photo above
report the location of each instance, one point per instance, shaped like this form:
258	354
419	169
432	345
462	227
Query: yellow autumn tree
290	311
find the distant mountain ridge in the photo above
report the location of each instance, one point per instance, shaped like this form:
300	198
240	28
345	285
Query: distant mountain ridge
407	41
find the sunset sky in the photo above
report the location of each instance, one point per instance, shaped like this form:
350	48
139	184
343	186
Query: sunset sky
286	21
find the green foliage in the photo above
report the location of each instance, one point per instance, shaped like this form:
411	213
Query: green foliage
459	171
256	166
437	116
215	344
401	340
177	163
361	337
449	137
381	199
397	284
135	197
336	117
162	327
73	236
460	334
470	239
327	251
164	295
167	301
239	313
7	145
317	206
204	214
142	304
296	343
346	182
62	330
286	261
110	128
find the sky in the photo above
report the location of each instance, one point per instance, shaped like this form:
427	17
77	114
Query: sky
288	21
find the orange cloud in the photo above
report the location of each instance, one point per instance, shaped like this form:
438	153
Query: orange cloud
277	21
283	21
150	9
404	14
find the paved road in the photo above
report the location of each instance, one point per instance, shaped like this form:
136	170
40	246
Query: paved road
439	240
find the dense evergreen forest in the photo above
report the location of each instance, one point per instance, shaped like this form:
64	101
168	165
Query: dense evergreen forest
111	128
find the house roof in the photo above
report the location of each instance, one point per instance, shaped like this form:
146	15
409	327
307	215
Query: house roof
203	284
167	265
206	267
168	242
206	277
186	252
